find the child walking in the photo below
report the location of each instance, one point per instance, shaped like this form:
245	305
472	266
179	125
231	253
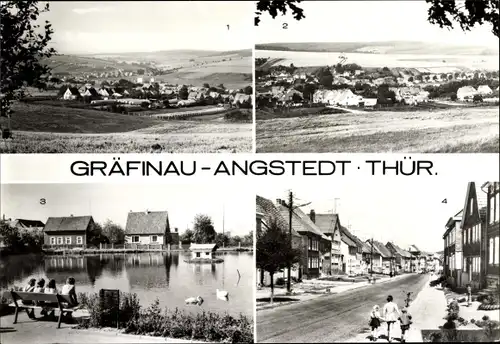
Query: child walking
405	320
375	321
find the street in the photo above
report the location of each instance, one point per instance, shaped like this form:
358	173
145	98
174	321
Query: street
332	318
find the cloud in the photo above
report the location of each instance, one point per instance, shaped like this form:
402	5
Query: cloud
91	10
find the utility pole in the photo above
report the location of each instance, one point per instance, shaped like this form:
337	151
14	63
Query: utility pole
371	259
290	214
223	244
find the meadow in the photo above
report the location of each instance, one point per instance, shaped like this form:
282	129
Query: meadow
425	63
450	130
49	129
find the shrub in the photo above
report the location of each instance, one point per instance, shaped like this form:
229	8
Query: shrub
280	281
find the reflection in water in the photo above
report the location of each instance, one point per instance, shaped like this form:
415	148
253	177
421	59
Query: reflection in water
151	275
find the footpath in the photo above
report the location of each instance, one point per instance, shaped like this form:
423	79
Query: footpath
46	332
301	295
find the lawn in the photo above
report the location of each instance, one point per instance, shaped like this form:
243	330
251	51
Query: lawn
451	130
49	129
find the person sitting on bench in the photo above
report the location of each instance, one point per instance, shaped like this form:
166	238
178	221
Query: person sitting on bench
29	288
51	289
40	286
69	289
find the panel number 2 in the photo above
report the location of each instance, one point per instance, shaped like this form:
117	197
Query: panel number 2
285	26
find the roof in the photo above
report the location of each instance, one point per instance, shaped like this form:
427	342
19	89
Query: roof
241	97
414	248
398	250
74	91
480	197
326	222
30	223
147	222
68	224
306	223
384	251
203	247
270	210
346	237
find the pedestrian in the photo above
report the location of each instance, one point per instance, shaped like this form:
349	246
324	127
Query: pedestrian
469	295
390	314
405	321
375	322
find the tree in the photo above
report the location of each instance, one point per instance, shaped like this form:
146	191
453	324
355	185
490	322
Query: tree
114	232
273	7
248	90
96	236
206	85
453	97
410	79
466	13
203	229
24	46
275	251
187	236
183	92
477	98
308	91
221	239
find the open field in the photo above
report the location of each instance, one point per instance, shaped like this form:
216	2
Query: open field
424	63
50	129
452	130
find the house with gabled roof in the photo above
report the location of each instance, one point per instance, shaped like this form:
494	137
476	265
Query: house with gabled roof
329	224
147	228
473	228
453	249
386	256
266	212
351	252
375	256
67	232
71	93
402	258
491	236
27	224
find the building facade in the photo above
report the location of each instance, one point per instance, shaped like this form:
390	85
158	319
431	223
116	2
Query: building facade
147	228
67	232
453	253
492	231
329	224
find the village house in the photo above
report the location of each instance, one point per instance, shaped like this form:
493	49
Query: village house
388	261
484	90
26	224
329	224
492	231
472	228
292	94
267	212
71	94
466	93
376	256
203	251
402	258
67	232
241	98
351	253
147	228
453	252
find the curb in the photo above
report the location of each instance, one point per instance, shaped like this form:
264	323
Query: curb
152	338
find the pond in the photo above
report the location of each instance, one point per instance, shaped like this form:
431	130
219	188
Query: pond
161	275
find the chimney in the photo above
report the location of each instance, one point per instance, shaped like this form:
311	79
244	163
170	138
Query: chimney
177	230
312	216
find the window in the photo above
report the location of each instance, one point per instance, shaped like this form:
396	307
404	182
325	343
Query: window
68	240
310	243
154	238
496	251
198	255
135	238
52	240
479	232
471	210
490	255
59	240
207	253
79	240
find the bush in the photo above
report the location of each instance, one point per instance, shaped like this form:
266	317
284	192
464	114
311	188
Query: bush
154	321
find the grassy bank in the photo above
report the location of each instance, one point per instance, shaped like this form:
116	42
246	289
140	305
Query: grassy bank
440	131
268	113
155	321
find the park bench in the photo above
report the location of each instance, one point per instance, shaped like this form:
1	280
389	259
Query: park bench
34	298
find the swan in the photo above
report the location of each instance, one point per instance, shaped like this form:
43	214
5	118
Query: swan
222	294
194	300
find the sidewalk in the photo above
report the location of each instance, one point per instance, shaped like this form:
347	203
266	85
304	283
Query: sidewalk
46	332
300	295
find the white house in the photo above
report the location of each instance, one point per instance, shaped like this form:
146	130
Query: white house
71	93
370	102
147	228
466	93
484	90
202	251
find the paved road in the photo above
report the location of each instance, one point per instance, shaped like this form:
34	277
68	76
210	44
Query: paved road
332	318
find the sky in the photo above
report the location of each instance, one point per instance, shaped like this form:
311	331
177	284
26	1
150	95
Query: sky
144	26
405	213
366	21
114	201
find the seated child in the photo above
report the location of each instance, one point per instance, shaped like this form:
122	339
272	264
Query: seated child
29	288
50	289
69	289
375	321
40	286
405	320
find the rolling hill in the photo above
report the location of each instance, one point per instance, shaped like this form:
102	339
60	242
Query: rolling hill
390	47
